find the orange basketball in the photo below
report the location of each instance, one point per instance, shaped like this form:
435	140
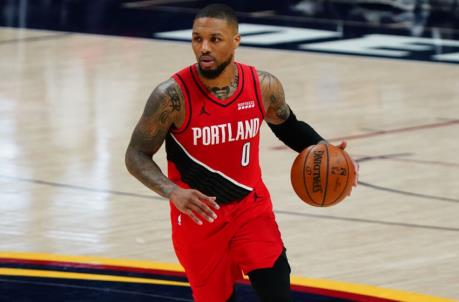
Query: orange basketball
322	175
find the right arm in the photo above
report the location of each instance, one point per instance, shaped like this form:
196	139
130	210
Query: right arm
296	134
163	110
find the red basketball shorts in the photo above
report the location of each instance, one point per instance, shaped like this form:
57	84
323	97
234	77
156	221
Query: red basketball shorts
244	237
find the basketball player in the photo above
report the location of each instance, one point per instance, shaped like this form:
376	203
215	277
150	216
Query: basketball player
209	114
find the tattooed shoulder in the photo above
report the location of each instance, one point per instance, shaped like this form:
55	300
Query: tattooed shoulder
175	94
273	97
165	103
266	78
271	87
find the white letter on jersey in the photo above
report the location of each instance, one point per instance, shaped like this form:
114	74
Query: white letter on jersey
197	133
249	128
215	136
245	154
240	131
206	136
223	132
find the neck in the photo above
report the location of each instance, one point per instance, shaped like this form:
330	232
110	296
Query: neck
224	79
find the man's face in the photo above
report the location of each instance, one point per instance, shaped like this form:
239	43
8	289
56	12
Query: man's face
214	42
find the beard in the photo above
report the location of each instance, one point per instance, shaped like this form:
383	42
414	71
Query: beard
213	73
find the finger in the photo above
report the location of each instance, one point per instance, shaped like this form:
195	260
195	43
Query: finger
342	145
213	203
193	217
203	210
212	200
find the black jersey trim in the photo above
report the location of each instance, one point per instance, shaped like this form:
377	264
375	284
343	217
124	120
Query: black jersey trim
257	90
233	97
188	101
201	177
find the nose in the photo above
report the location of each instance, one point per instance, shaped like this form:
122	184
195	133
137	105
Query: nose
205	47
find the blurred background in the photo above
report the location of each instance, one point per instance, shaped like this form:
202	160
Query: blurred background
69	102
420	18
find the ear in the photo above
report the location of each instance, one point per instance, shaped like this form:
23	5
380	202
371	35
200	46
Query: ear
237	40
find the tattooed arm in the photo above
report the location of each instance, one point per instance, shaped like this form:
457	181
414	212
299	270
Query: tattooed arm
272	93
282	121
163	110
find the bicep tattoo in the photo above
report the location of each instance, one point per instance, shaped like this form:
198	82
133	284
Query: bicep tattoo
160	113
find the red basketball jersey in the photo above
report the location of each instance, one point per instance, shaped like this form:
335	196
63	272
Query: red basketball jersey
216	149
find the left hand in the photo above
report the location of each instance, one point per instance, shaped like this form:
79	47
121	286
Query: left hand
342	146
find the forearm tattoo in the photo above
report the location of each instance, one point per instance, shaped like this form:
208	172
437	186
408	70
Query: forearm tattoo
161	111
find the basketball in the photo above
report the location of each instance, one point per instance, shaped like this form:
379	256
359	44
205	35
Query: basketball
322	175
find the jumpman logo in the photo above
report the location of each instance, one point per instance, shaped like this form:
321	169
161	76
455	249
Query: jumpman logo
203	111
256	196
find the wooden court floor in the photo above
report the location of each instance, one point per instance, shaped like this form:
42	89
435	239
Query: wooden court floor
68	104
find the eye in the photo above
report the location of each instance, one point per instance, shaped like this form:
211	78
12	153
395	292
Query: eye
197	39
216	39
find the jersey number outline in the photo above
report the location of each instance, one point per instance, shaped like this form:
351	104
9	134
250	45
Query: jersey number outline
245	159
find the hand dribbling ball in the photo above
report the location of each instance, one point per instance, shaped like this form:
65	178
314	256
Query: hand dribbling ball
322	175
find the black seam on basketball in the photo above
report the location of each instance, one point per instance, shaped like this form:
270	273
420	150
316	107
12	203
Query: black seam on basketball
304	176
347	179
326	175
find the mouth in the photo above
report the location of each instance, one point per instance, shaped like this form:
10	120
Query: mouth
206	61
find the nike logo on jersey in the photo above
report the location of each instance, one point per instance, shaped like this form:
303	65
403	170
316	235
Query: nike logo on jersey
246	105
222	133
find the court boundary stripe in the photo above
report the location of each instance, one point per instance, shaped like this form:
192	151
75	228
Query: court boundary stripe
340	294
87	189
358	289
19	272
90	260
367	290
396	157
49	274
155	274
88	268
397	130
400	157
401	224
420	195
82	188
52	284
36	38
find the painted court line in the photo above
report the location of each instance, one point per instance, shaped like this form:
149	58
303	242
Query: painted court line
119	193
34	39
105	290
420	195
397	130
400	224
401	157
319	284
